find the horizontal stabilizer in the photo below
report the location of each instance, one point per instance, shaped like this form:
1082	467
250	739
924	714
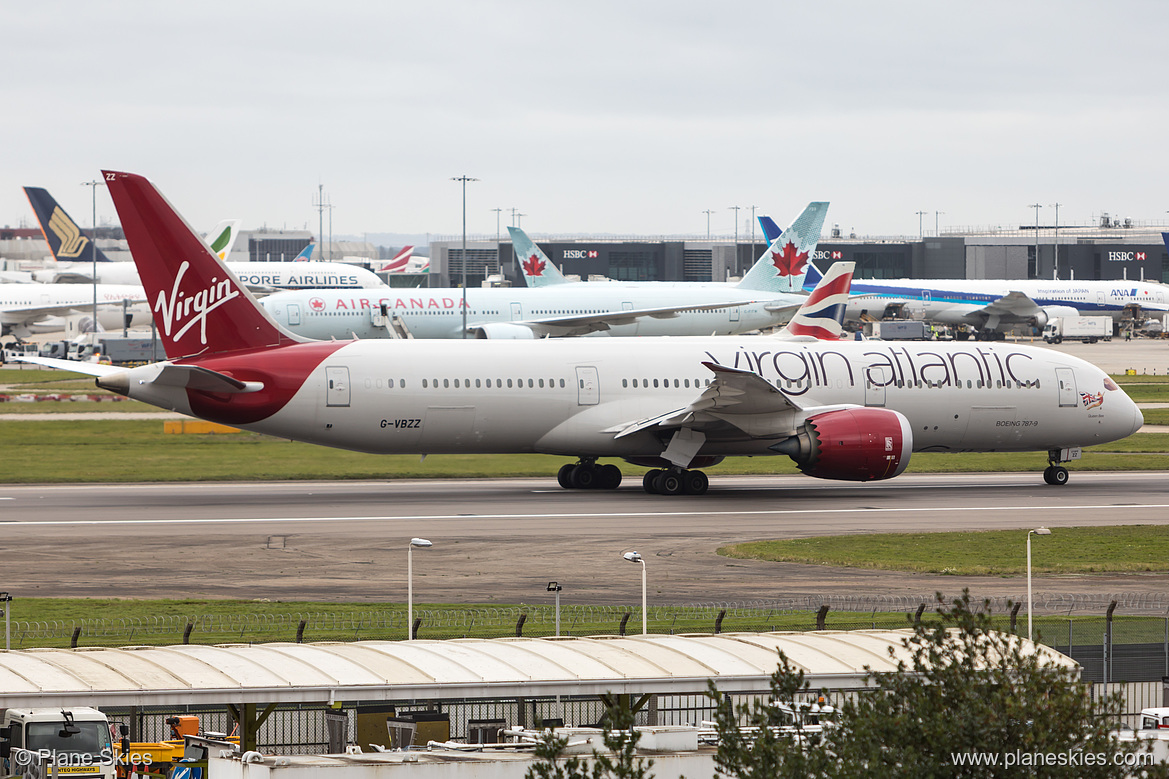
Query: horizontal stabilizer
196	378
88	368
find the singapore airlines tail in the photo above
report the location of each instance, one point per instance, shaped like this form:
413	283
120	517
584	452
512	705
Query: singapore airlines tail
66	239
783	265
184	281
537	269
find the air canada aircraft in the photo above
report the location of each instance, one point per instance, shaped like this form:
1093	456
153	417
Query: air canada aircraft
758	301
74	252
851	410
994	306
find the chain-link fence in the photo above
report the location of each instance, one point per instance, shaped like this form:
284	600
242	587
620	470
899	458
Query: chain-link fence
1114	638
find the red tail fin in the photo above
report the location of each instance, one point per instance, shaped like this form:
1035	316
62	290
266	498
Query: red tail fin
200	307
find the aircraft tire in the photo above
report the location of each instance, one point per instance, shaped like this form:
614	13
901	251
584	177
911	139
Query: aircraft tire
564	475
584	476
668	483
695	483
1056	475
609	477
647	481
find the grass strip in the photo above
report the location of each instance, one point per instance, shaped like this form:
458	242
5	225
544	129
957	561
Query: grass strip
117	450
1071	550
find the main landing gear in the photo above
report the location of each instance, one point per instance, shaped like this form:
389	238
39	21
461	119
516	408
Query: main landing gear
587	475
674	481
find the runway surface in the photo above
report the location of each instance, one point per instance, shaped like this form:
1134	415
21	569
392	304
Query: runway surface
503	540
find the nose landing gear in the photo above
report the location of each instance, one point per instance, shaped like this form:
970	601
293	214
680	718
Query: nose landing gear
1055	474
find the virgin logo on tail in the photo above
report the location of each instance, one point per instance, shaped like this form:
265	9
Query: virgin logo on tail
192	308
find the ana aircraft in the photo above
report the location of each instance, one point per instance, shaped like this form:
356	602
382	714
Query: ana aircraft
564	310
74	253
994	306
850	410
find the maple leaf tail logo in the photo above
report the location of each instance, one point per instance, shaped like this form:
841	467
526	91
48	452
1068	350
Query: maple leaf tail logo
533	266
790	261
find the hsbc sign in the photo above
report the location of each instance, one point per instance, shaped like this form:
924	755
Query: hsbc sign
823	255
580	254
1126	256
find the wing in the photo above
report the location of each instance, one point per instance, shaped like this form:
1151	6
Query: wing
582	324
27	315
1012	305
737	399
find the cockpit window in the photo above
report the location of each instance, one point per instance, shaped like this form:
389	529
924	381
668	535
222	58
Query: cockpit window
1109	384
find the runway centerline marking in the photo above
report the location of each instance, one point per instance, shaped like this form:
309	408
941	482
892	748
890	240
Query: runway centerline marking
579	515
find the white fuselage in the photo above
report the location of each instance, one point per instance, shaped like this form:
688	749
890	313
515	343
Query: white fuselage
438	313
36	308
572	396
276	275
952	302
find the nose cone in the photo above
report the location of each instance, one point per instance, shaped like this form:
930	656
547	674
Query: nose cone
1138	419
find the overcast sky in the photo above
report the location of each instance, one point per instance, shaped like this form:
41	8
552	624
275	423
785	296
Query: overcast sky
626	117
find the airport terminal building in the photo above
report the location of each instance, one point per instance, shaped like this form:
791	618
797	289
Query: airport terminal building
1098	252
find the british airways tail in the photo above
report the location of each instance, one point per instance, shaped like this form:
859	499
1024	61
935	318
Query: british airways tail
535	267
67	241
184	281
782	267
822	315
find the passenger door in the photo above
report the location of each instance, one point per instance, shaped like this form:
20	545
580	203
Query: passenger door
588	389
1066	379
337	386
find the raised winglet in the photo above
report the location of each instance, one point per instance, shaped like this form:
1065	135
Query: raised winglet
200	307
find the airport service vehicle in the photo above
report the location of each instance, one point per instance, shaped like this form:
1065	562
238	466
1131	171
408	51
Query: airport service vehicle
75	253
898	330
73	741
758	301
850	410
1088	329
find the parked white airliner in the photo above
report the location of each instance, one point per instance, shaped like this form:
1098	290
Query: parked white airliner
842	410
766	297
75	252
27	309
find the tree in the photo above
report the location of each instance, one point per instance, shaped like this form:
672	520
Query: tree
963	692
622	762
767	738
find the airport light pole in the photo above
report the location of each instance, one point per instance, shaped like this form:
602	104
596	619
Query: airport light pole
93	185
920	229
464	180
421	543
556	588
1039	531
634	557
5	599
753	231
1055	246
498	264
1036	206
708	212
937	230
736	210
